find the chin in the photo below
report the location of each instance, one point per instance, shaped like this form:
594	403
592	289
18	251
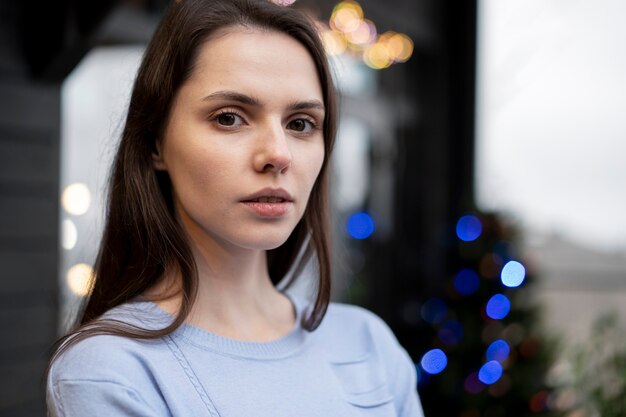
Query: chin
262	239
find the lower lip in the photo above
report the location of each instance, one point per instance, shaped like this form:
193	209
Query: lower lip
269	209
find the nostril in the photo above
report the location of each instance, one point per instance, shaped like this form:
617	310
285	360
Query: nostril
280	167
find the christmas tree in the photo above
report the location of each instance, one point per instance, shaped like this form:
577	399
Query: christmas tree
487	353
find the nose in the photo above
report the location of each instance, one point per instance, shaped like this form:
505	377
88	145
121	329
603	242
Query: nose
273	153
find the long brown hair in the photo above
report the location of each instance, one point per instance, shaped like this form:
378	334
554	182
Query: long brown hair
141	238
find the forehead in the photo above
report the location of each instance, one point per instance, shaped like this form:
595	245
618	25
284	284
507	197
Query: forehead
257	60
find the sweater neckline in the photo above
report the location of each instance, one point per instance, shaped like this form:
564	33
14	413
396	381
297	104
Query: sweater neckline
200	338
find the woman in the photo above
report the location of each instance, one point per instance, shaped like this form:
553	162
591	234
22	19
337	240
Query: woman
218	191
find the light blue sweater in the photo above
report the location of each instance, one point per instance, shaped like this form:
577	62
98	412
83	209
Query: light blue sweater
350	366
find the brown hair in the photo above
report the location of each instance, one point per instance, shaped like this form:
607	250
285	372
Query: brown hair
141	238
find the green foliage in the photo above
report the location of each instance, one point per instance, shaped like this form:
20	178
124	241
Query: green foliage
591	380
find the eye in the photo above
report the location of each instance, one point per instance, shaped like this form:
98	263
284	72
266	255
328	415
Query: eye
301	125
227	119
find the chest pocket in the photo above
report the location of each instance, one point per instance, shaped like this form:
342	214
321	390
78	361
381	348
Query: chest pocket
364	384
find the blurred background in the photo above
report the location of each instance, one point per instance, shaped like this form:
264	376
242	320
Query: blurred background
478	199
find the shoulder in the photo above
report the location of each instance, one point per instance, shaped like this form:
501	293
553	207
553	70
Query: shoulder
109	358
342	316
105	375
104	358
356	328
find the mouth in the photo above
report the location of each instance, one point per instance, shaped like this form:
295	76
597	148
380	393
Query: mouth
269	195
269	203
267	200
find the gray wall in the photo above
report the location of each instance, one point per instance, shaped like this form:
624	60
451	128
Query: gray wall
29	236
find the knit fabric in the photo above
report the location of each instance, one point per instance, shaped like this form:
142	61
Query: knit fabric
351	365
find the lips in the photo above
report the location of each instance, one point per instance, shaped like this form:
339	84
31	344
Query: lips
269	195
269	202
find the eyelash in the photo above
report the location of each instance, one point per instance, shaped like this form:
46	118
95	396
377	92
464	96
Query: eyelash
223	112
308	119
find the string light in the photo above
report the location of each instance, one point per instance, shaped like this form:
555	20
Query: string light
79	279
349	30
360	225
513	274
434	361
76	198
498	307
490	372
498	351
468	228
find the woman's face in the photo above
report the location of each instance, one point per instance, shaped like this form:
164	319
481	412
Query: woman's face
244	141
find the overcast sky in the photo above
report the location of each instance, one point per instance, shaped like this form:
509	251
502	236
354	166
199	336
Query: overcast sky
551	116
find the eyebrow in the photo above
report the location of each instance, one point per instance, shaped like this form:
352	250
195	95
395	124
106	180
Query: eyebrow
252	101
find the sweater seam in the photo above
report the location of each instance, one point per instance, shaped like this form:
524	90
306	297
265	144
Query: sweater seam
191	375
295	351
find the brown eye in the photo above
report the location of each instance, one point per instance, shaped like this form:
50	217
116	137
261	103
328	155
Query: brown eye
300	125
227	119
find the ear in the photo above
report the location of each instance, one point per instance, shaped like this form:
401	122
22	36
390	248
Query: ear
157	158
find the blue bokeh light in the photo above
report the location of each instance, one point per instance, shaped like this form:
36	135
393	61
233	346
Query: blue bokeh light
466	282
360	225
513	274
498	351
468	228
490	372
451	332
434	361
498	307
434	311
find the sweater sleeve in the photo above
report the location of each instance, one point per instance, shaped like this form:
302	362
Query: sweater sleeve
402	372
79	398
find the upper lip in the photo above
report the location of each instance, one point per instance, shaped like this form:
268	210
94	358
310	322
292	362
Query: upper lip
269	192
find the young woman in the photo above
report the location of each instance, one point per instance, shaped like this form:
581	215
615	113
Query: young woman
218	192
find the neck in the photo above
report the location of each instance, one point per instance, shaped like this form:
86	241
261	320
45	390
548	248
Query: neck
236	297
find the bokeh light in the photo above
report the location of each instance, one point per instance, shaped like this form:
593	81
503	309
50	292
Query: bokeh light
466	282
434	311
351	31
334	43
513	274
364	34
472	384
498	351
434	361
490	372
377	56
468	228
360	225
498	307
69	234
76	198
539	401
79	279
346	16
400	47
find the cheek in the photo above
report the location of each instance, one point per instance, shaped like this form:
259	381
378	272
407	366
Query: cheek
195	174
314	158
